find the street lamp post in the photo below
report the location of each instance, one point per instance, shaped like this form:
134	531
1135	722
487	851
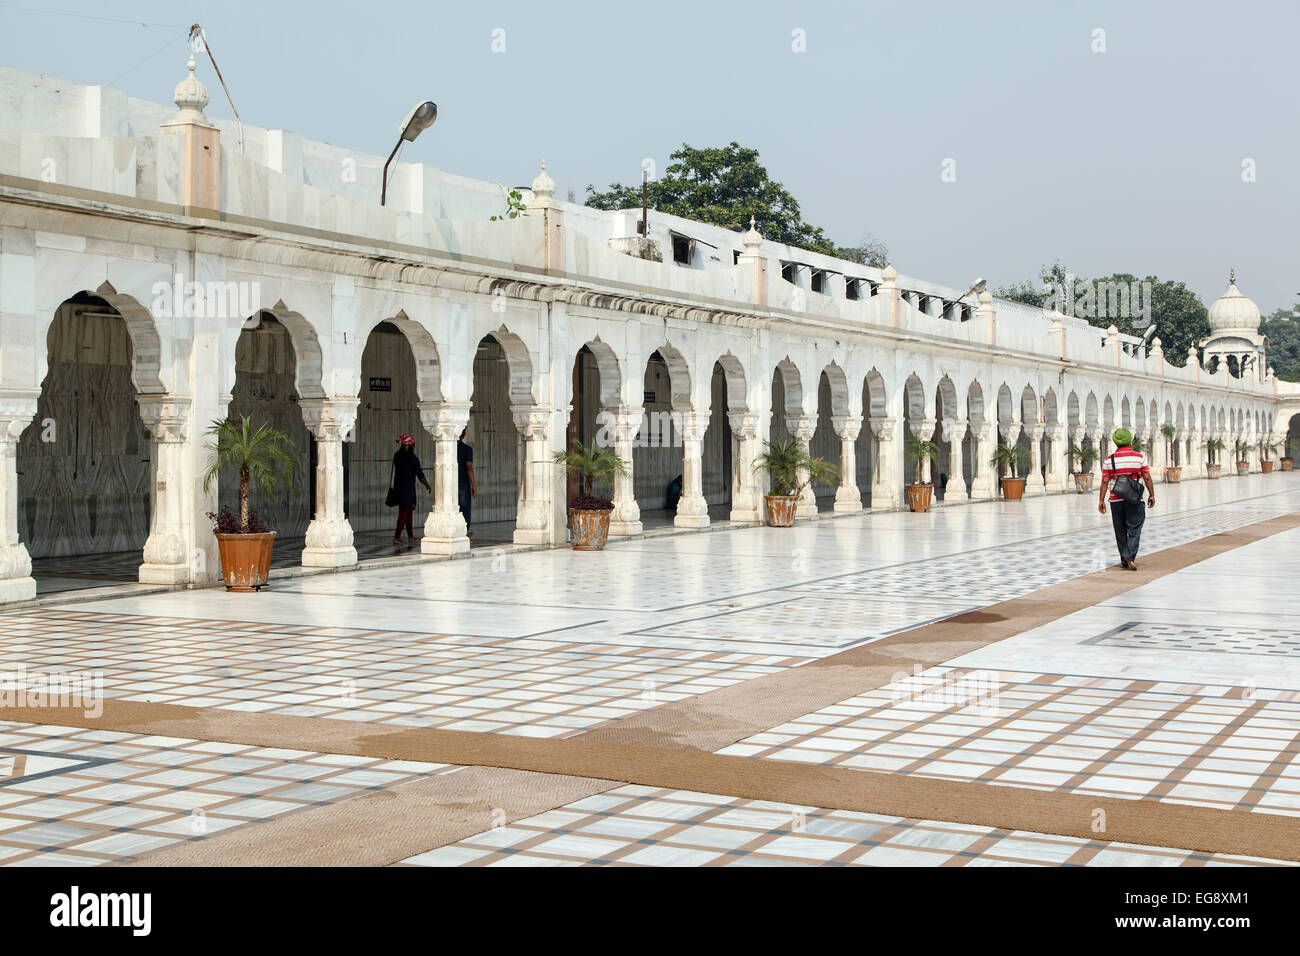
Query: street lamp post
417	121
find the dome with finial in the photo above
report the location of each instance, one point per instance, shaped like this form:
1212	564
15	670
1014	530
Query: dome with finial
752	238
890	273
1233	311
543	186
190	95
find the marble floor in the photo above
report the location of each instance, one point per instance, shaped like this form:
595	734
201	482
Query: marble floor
1182	691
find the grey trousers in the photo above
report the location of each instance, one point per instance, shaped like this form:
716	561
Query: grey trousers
1127	517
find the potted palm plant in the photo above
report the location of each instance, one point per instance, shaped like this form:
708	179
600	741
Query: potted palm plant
1286	461
1241	449
1173	473
920	493
791	470
263	456
1008	458
1266	448
1085	455
588	512
1213	446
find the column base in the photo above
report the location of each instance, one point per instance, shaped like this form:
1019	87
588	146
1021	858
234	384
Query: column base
328	557
692	522
17	589
847	507
532	536
625	529
164	574
746	516
432	545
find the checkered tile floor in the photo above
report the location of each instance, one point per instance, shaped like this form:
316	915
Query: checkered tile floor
1118	738
72	797
1266	641
539	688
641	826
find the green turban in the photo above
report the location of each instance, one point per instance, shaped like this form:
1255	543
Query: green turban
1122	436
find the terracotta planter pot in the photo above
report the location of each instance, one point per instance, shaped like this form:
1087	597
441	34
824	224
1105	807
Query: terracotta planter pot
1174	474
1243	467
590	529
781	509
920	497
245	560
1013	489
1266	466
1212	470
1083	482
1287	463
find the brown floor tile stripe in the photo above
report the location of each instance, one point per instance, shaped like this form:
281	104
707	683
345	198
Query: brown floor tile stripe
672	746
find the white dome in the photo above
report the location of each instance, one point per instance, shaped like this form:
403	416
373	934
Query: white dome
1234	312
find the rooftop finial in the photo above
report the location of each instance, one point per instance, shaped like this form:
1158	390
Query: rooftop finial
1232	277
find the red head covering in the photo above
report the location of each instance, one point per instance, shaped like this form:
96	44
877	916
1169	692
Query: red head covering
406	440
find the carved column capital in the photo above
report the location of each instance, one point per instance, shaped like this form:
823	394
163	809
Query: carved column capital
165	417
330	419
848	427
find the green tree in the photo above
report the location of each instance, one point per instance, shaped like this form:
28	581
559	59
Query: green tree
1180	317
1283	333
725	186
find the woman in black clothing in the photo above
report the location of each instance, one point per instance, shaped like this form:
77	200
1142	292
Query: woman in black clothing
406	468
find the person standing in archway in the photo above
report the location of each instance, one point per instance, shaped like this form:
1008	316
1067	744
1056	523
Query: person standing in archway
1127	470
406	469
466	484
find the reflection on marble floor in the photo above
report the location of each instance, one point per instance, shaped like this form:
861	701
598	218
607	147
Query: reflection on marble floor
94	797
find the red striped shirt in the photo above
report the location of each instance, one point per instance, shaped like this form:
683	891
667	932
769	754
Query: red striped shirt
1123	461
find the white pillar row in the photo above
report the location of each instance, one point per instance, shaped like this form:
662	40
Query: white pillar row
886	492
746	496
532	524
1035	485
692	508
626	519
166	556
802	428
984	483
1190	469
1159	455
444	528
16	581
954	433
329	541
848	499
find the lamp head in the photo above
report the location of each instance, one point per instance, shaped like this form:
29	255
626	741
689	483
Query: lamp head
420	118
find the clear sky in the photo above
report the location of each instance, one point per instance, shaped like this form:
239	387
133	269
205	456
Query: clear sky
1127	160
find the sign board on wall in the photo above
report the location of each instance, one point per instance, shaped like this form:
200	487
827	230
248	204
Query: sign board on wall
381	384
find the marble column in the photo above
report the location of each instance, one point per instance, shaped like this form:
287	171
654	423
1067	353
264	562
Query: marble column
802	428
329	541
1057	461
532	524
984	481
626	519
166	553
692	508
886	489
16	581
1010	435
1035	485
444	528
954	433
1073	436
746	496
848	500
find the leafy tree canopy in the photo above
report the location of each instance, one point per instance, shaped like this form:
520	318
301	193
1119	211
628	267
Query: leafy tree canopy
1180	317
1283	331
725	186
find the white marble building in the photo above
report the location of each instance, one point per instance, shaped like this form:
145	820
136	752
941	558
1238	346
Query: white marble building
190	238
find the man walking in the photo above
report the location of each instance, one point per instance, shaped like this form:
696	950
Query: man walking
1126	513
466	483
